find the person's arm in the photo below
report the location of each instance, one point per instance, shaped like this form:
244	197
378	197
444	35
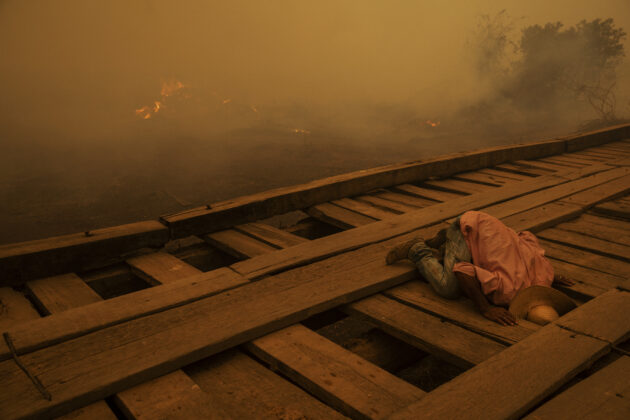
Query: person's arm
471	287
560	280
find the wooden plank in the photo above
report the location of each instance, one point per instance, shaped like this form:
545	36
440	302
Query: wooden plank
336	376
507	385
98	410
273	236
605	222
241	388
223	215
387	204
603	395
538	164
382	230
574	159
587	243
14	308
460	311
491	180
516	176
596	138
511	168
172	396
454	185
561	162
429	333
104	362
542	217
590	156
161	267
555	193
237	244
605	317
621	210
338	216
364	208
602	232
428	193
607	191
60	293
404	198
596	279
584	259
39	333
77	252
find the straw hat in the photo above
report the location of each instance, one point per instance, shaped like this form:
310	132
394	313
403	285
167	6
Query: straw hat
540	304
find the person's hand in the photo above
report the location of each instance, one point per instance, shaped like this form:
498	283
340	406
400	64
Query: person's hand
499	315
562	281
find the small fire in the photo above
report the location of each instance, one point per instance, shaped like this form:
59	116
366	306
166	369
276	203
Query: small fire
226	101
253	108
300	131
432	123
169	88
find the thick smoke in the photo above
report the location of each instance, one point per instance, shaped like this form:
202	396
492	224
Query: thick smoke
272	93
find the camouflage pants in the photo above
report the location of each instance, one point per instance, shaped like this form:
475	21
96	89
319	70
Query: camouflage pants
441	276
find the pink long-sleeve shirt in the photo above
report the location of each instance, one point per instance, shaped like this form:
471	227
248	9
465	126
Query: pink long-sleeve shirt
504	261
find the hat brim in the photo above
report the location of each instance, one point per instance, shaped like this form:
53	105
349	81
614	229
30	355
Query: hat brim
540	295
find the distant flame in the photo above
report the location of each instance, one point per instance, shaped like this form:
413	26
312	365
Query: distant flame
226	101
301	131
254	109
432	123
169	88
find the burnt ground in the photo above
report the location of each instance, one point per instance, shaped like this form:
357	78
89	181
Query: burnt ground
50	188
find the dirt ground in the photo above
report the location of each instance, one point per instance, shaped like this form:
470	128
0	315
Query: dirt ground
50	188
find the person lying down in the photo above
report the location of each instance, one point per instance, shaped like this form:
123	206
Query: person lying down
493	265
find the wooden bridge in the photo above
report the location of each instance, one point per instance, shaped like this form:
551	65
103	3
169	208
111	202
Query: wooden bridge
230	311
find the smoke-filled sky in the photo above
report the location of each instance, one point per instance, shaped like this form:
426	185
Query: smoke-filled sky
274	93
84	66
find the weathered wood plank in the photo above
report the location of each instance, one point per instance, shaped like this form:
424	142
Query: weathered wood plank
338	377
98	364
404	198
605	222
542	217
596	138
602	232
259	206
524	169
587	243
60	293
387	204
339	216
605	317
460	311
161	267
491	180
364	208
538	164
621	210
517	176
98	410
172	396
238	244
585	259
273	236
608	191
427	193
382	230
454	185
445	340
555	193
77	252
240	388
14	308
561	162
603	395
510	383
594	278
39	333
